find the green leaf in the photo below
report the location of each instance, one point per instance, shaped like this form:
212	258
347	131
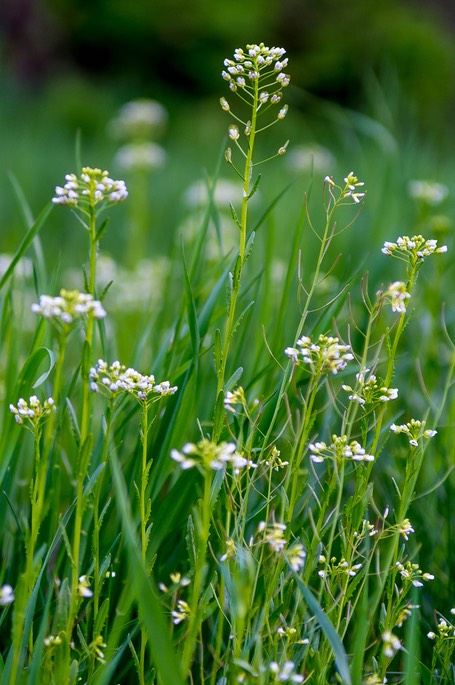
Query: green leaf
101	617
232	382
217	352
255	187
25	244
341	659
102	229
234	214
191	543
26	380
191	310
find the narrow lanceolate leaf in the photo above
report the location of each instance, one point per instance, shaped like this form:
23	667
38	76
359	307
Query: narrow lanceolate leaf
102	229
255	187
249	244
234	214
237	272
341	659
217	352
219	409
192	315
234	379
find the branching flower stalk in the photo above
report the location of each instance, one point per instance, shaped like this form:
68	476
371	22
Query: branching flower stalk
114	380
350	193
256	76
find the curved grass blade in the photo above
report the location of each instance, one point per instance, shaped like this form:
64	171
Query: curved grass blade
329	631
26	242
164	656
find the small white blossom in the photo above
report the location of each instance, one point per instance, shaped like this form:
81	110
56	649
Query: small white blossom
91	188
327	355
6	595
413	249
68	306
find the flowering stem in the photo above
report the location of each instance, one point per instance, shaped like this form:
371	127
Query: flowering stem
325	242
195	617
296	458
96	513
238	268
144	515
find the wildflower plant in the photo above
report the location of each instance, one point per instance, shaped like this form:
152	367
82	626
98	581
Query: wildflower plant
255	518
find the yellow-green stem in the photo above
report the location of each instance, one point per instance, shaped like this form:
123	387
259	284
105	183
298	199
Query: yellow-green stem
195	618
229	329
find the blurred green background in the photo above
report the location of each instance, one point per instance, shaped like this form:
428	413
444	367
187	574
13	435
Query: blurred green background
372	89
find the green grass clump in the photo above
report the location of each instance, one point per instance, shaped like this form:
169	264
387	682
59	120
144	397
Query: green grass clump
256	504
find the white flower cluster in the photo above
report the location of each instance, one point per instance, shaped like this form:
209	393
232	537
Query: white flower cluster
274	460
339	449
209	455
92	187
33	410
397	295
69	305
258	61
182	613
369	390
83	587
6	595
429	192
412	573
414	430
273	535
350	191
284	673
446	631
415	248
116	378
325	356
391	644
336	569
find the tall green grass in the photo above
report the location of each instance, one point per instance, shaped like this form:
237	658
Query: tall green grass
274	518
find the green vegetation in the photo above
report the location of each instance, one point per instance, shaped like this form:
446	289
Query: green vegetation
226	451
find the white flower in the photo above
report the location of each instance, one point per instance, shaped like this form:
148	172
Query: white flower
6	595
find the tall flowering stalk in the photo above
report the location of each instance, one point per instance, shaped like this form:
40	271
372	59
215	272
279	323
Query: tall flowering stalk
256	75
114	380
335	196
89	193
32	415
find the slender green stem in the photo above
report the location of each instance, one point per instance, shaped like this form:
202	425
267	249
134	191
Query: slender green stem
196	610
236	282
144	516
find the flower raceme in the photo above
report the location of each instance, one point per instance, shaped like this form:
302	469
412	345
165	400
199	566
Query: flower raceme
93	187
339	449
327	355
68	306
414	430
211	456
369	390
116	378
256	75
34	411
413	249
352	191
